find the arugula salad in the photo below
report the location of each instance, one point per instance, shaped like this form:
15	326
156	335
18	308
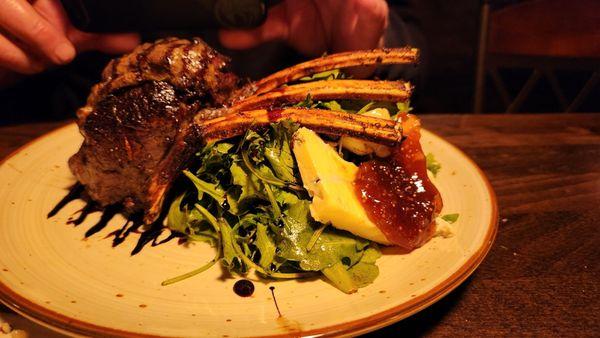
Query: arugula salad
245	197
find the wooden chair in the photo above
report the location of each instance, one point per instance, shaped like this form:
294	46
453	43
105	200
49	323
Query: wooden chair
542	35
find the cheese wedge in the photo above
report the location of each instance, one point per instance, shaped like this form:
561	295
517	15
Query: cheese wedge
329	180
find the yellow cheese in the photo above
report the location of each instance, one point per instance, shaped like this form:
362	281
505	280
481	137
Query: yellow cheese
329	180
361	147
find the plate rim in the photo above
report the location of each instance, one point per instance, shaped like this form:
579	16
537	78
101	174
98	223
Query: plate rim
65	324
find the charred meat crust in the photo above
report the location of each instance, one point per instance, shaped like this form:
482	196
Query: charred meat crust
390	91
406	55
185	64
321	121
134	123
127	135
156	106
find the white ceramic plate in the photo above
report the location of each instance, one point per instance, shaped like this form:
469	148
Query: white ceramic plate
52	275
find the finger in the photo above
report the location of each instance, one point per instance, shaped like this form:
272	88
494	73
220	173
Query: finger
274	28
365	22
105	43
14	58
20	19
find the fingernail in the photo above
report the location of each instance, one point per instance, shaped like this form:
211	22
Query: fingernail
64	52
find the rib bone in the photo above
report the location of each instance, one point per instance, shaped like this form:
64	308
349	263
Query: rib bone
321	121
404	55
391	91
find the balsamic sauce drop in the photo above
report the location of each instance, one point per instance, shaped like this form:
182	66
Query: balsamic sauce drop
272	288
243	288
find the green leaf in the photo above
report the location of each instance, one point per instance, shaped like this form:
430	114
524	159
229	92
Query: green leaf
265	245
333	105
315	236
230	258
249	183
338	275
265	174
208	237
274	205
278	151
327	75
361	274
189	222
212	189
284	197
306	103
177	218
213	157
432	164
403	107
330	247
450	218
250	204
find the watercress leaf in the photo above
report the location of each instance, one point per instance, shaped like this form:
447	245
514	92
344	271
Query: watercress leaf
212	158
255	144
450	218
212	189
278	151
265	245
285	198
327	75
330	247
189	222
306	103
234	207
230	259
242	177
333	105
265	173
432	164
223	147
403	107
361	274
338	275
177	218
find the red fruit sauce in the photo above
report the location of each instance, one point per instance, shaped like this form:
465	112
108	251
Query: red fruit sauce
397	194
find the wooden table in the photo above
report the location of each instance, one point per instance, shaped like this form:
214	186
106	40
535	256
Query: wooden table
542	276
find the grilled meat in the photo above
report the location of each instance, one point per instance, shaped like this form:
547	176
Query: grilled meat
156	106
136	120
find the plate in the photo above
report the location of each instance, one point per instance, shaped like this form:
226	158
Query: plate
51	273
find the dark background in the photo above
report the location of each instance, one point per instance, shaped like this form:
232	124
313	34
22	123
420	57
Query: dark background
450	30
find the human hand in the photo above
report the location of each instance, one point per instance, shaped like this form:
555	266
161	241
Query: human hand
37	34
313	27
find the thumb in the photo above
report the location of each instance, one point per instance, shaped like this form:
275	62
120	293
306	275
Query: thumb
274	28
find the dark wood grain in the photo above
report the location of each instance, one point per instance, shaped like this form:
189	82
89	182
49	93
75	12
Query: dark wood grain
542	275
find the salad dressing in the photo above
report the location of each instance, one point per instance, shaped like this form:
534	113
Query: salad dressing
243	288
398	196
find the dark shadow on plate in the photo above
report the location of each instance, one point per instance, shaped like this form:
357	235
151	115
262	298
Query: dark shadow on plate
424	322
148	234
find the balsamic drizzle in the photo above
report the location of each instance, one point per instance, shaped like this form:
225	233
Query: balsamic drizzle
272	288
